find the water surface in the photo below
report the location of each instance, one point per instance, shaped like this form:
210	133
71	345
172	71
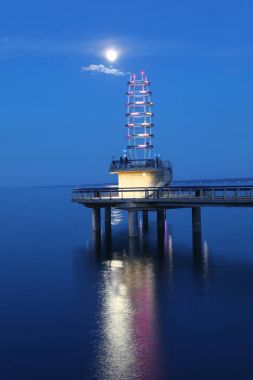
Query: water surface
75	307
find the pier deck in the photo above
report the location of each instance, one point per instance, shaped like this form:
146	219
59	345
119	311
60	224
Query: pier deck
166	197
159	199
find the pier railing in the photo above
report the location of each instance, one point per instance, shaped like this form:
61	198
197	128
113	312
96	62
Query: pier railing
139	164
205	193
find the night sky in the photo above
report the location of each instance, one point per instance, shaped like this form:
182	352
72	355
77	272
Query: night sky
61	124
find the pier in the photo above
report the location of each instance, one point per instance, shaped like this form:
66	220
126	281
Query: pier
145	181
159	199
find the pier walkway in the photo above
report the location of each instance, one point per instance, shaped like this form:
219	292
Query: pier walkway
159	199
165	197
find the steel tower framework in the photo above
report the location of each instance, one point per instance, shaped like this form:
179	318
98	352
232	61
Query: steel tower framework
139	118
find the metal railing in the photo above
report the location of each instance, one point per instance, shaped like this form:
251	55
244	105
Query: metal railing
136	164
165	193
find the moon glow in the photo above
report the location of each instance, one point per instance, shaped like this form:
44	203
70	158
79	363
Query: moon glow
111	55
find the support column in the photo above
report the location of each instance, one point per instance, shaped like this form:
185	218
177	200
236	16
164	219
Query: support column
96	242
133	245
196	233
96	223
196	220
161	217
108	232
108	218
145	220
132	223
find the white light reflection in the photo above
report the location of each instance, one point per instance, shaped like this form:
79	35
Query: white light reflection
116	216
118	351
205	259
115	264
169	247
128	332
170	252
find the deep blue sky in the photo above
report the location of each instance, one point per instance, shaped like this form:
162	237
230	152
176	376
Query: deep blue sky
59	125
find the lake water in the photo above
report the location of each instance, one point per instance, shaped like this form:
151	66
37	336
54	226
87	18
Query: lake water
74	307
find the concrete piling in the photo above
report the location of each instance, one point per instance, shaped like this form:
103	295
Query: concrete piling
96	222
161	220
196	233
145	220
108	217
161	217
196	220
132	223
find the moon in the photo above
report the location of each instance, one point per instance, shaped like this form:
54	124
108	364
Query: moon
111	54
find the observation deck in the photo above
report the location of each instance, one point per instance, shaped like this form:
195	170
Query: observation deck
141	172
139	165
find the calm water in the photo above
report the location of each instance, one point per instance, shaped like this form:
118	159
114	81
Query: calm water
76	308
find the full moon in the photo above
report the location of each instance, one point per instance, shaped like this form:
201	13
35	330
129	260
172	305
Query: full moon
111	55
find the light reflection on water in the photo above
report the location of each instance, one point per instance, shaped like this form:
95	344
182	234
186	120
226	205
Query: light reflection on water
146	285
128	322
116	216
205	260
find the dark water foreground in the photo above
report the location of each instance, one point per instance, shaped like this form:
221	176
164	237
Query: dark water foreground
74	307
